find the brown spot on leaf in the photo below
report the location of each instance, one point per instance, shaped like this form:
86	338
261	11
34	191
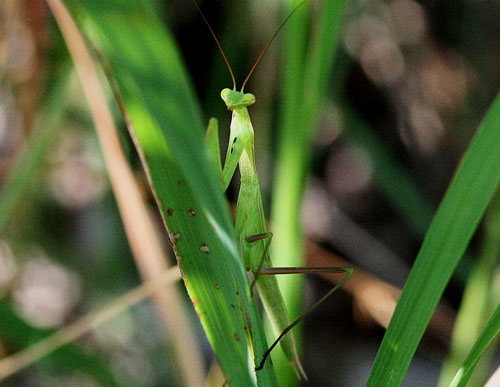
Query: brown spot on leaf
170	211
204	248
191	213
236	336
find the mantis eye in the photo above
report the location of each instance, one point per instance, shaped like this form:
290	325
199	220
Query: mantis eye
248	99
224	94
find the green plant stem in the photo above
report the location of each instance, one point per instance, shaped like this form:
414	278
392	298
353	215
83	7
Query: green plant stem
287	244
464	374
304	88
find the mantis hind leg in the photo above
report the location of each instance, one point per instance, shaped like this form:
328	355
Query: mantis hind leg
301	270
268	237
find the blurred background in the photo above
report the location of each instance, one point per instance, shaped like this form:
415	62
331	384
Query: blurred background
410	85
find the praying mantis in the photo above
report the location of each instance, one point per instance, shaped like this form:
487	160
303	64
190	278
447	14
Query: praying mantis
250	226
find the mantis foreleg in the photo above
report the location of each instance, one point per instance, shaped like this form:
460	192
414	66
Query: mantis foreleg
212	139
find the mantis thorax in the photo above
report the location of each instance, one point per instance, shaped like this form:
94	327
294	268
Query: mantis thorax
236	99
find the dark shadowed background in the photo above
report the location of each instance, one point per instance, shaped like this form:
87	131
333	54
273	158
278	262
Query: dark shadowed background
410	84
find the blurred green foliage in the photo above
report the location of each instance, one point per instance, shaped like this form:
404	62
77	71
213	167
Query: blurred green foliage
410	84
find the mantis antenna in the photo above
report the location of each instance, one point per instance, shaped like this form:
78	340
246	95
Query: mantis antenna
218	44
269	45
257	62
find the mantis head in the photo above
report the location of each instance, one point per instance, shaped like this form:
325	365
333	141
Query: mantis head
236	99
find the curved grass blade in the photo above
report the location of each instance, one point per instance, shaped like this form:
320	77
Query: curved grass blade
465	372
304	90
147	246
457	217
169	136
478	301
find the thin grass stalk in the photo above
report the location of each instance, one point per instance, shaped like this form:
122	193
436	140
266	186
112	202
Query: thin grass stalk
488	335
304	91
14	363
142	233
287	246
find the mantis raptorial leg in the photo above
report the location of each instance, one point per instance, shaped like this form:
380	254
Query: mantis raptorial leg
251	225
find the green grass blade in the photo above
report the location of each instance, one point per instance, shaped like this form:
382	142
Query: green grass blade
453	225
465	372
304	90
169	136
287	244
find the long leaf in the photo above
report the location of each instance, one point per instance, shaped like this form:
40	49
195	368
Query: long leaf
453	225
304	91
168	134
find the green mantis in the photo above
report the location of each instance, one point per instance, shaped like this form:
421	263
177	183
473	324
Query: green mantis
250	226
